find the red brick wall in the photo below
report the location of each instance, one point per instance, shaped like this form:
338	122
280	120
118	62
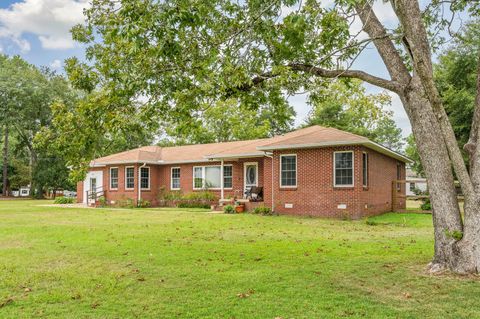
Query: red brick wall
186	176
377	197
314	195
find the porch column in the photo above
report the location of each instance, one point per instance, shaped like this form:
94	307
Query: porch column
221	180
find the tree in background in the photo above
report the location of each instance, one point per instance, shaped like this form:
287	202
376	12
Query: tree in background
27	93
347	106
456	78
225	121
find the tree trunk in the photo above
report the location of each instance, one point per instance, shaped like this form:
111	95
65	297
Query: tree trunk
457	244
5	162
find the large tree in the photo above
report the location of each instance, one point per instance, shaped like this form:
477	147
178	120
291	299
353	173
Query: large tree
183	55
349	107
26	95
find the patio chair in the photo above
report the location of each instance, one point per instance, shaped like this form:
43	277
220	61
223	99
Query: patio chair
254	194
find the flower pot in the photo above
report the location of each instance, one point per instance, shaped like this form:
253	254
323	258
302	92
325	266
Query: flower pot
239	208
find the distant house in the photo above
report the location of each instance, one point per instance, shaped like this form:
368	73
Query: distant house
313	171
415	183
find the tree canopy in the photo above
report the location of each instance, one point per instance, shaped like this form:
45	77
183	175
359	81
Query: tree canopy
348	107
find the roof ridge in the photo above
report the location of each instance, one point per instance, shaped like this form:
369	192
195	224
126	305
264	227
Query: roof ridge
349	133
301	134
216	143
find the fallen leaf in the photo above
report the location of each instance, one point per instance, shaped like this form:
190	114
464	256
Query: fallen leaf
95	305
27	289
407	295
6	302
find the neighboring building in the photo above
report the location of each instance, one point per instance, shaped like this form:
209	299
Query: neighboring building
314	171
415	182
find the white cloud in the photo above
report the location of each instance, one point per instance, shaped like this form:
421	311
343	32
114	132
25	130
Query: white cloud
50	20
56	64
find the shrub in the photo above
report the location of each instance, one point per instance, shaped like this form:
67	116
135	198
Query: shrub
142	203
64	200
102	200
204	196
126	203
426	205
370	222
263	210
229	209
193	205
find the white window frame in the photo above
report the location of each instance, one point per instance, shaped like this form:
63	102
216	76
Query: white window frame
296	171
223	177
367	179
110	178
335	170
140	177
171	177
126	178
203	177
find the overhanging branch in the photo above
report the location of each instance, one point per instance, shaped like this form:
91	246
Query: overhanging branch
357	74
321	72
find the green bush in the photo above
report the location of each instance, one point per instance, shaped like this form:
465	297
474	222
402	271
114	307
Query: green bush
204	196
64	200
193	205
263	210
229	209
103	201
142	203
426	205
126	203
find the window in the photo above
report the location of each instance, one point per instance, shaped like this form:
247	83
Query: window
197	177
288	170
343	171
227	176
145	177
175	184
210	177
412	187
129	177
113	177
365	169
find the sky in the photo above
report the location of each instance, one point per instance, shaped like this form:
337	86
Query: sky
38	31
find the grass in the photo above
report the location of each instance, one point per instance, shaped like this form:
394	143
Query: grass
171	263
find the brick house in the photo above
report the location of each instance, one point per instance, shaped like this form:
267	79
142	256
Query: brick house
315	171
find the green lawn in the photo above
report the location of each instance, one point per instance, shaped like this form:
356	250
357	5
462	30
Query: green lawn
165	263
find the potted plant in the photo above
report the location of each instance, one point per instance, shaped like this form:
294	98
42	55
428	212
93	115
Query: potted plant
239	207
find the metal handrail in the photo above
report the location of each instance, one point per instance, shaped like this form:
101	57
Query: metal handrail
98	192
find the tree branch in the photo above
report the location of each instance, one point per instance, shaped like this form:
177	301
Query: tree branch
357	74
390	56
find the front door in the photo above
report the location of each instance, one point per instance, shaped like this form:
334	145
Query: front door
250	175
92	183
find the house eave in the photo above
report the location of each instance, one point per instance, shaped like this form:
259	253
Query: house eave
235	156
372	145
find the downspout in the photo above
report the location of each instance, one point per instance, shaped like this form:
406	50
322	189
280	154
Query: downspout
140	183
270	155
221	181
